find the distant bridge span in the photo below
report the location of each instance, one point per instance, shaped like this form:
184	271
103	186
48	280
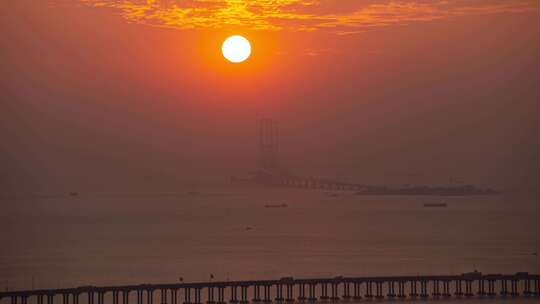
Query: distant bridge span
308	290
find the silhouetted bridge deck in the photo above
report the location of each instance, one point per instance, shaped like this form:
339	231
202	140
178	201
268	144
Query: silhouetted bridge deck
308	290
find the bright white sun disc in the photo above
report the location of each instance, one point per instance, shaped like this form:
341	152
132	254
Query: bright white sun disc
236	49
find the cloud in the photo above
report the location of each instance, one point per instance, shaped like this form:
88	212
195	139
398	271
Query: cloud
342	17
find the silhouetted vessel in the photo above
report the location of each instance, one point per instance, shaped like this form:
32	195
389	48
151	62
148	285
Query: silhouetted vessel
73	194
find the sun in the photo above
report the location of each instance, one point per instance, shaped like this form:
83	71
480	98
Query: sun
236	49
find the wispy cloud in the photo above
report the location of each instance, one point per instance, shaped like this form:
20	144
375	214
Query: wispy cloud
342	17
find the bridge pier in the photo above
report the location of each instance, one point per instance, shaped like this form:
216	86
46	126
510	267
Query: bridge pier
256	294
324	289
312	296
75	297
391	291
149	296
187	295
267	298
356	286
290	293
423	289
243	294
90	298
346	291
163	296
514	284
369	290
504	287
537	288
302	292
174	296
65	298
125	296
221	295
401	290
436	289
279	293
334	292
414	292
491	288
459	291
468	288
115	297
100	298
140	296
446	289
481	289
379	286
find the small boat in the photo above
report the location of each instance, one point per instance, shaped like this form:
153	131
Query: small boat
435	205
275	205
73	194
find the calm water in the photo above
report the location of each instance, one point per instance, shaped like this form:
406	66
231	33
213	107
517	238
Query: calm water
102	239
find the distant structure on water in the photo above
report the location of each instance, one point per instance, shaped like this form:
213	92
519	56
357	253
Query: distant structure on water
271	172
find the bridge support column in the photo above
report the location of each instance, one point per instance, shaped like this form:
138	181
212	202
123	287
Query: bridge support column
174	296
279	293
515	292
324	291
149	296
334	296
24	299
210	299
537	287
302	292
423	289
369	290
481	289
436	289
267	298
13	299
468	288
187	295
446	289
198	298
491	288
256	294
65	298
243	294
357	292
527	292
90	298
391	290
140	296
115	297
346	291
459	291
100	297
75	297
504	287
290	296
379	286
221	295
125	297
401	290
312	296
163	296
40	299
414	292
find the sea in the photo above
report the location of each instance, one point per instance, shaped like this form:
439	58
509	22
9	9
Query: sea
229	232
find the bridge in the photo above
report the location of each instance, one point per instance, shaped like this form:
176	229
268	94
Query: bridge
468	285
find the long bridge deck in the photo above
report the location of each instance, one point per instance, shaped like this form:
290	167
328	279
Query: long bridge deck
422	286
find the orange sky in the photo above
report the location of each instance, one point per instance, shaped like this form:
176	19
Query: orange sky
373	91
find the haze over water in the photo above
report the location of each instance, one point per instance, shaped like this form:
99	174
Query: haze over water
131	238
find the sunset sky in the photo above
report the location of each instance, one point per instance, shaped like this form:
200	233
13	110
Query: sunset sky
110	95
